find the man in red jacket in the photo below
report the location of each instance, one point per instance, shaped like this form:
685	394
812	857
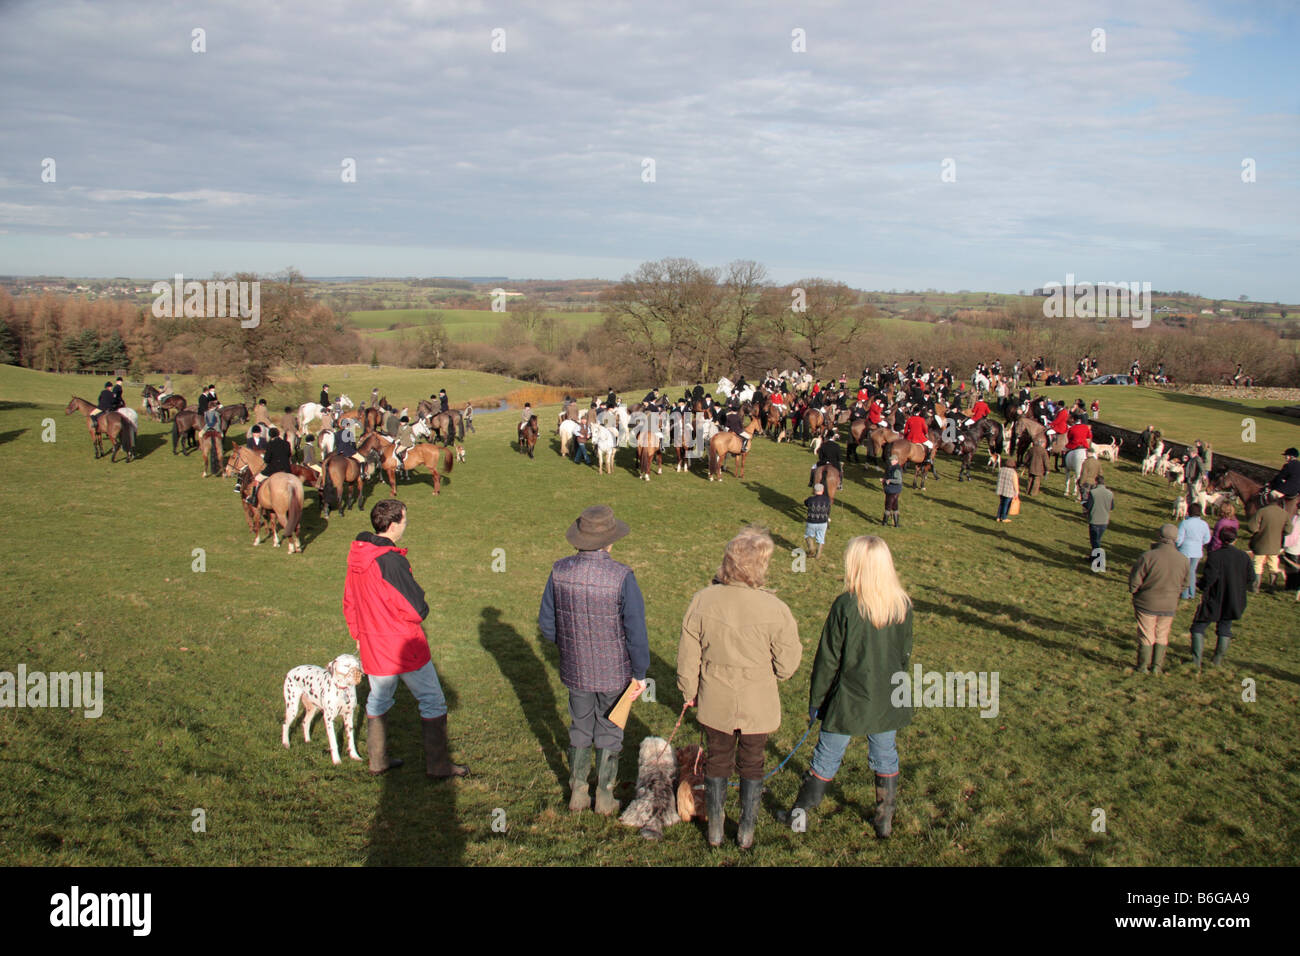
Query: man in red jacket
918	433
384	608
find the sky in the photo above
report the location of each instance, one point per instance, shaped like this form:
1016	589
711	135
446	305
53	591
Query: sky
947	145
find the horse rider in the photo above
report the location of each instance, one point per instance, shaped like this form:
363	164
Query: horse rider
257	439
106	403
735	425
979	410
212	417
346	444
325	400
442	400
828	453
166	389
697	393
309	453
525	414
277	458
262	414
118	400
918	433
205	399
1287	480
405	440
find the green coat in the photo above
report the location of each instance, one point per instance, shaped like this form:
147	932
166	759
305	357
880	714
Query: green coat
851	677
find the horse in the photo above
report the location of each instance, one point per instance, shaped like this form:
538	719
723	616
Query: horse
880	439
814	423
210	449
185	430
528	435
374	417
568	429
279	502
726	443
1250	492
233	415
606	441
340	474
648	449
111	425
910	453
428	456
831	478
149	400
171	405
775	421
449	426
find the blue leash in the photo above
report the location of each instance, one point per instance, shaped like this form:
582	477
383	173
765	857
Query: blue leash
781	765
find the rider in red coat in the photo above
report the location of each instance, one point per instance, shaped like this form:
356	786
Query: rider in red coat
1061	422
1079	435
875	414
918	433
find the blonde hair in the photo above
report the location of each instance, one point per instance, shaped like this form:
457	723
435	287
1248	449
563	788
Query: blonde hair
1226	510
746	557
869	576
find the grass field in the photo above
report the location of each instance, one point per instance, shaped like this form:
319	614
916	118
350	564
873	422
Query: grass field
463	325
99	576
1188	418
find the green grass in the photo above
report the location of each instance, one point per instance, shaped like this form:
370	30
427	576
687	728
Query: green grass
463	325
1188	418
98	577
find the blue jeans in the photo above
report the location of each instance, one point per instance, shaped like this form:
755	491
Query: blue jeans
1190	590
1004	506
882	754
422	683
1095	531
580	457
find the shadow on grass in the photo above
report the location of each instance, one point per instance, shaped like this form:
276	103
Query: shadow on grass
6	437
415	822
10	406
978	613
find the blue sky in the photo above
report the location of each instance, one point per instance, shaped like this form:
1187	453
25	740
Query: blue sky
1123	165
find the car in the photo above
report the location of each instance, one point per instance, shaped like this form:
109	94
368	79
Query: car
1112	380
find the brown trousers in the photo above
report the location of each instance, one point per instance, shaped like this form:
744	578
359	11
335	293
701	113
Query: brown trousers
1034	481
726	750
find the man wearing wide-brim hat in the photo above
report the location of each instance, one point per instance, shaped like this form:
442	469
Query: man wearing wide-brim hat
592	609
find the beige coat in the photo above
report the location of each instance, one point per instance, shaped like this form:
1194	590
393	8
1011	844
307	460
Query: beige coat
737	642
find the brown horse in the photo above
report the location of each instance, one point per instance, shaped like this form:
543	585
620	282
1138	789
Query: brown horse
814	423
449	426
117	428
528	435
279	503
339	474
775	421
829	477
648	450
912	454
427	455
726	443
880	438
171	405
210	449
1250	492
233	415
374	418
185	430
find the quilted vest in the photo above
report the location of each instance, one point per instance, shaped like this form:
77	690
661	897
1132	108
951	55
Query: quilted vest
589	622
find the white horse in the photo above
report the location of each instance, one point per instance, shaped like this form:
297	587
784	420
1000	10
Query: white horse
726	387
568	429
1073	466
606	442
980	381
325	442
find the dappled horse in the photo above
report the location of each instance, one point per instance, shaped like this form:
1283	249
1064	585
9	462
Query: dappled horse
111	425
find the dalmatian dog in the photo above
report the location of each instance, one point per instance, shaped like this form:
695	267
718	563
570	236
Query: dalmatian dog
332	690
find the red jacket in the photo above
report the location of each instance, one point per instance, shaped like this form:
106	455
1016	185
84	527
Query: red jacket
1079	436
863	395
384	607
916	431
980	409
1061	422
874	413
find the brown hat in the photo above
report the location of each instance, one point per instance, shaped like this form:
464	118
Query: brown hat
1169	532
595	528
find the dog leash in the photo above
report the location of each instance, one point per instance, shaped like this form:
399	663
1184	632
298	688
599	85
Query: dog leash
766	777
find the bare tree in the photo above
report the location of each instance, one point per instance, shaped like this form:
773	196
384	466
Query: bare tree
814	318
743	319
655	310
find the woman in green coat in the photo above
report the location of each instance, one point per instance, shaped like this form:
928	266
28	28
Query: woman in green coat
867	639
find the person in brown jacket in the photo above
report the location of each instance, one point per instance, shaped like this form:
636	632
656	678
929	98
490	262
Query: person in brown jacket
1037	461
1266	531
1089	472
738	639
1158	578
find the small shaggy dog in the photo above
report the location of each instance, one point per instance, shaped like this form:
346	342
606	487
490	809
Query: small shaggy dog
691	802
655	805
332	690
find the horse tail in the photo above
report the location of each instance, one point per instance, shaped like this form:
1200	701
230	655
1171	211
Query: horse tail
460	422
176	435
128	436
448	459
328	492
293	514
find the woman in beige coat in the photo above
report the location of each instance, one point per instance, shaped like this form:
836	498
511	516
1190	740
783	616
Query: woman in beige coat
738	639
